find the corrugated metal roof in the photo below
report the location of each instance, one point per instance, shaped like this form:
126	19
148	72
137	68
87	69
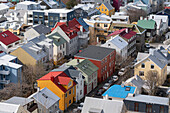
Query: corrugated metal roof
147	24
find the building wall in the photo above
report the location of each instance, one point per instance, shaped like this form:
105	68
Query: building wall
53	18
38	18
70	16
140	42
24	57
162	72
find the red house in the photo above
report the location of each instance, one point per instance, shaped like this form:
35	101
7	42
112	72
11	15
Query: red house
103	58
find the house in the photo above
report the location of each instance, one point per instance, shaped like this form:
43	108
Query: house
103	58
49	4
97	105
13	108
153	61
162	27
106	8
75	35
28	5
136	81
94	1
46	101
10	70
147	103
3	9
150	26
89	71
130	37
17	15
119	92
28	104
165	12
59	46
50	17
60	84
119	44
8	41
47	44
35	31
77	76
120	19
30	54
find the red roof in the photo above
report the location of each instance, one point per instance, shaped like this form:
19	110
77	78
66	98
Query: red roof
71	29
116	32
60	78
129	34
8	37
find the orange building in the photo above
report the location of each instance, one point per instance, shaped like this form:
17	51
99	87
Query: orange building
60	84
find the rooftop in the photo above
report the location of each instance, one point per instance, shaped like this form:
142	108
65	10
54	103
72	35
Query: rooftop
95	52
8	108
119	92
147	24
42	29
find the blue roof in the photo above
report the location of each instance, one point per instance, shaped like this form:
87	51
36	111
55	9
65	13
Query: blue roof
83	23
143	1
118	91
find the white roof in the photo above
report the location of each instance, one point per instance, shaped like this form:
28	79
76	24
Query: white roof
28	3
84	6
118	42
62	10
3	6
8	108
119	17
159	17
102	17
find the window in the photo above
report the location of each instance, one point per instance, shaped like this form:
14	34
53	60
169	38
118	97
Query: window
148	108
105	31
60	47
152	66
51	18
143	65
80	92
105	9
66	95
70	83
69	101
141	73
161	109
105	25
70	92
102	9
51	23
98	25
136	108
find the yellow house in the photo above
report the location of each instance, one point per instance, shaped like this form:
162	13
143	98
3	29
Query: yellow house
106	8
151	62
30	54
61	85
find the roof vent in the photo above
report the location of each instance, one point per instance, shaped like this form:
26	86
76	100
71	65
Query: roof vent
3	35
44	95
127	89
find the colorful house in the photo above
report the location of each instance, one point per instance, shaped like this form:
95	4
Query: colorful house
106	8
103	58
60	84
89	71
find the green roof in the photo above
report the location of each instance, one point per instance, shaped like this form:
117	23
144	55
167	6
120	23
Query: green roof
84	65
147	24
57	38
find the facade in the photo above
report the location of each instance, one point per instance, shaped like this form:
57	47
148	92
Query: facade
150	26
153	61
10	70
61	85
89	71
30	54
106	8
165	12
46	100
50	17
104	60
8	41
59	46
146	103
27	104
119	44
98	105
75	35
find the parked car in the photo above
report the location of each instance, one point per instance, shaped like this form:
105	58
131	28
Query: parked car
110	81
147	45
122	71
100	91
106	86
115	78
80	107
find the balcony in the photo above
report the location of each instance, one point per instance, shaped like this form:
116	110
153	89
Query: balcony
4	81
4	72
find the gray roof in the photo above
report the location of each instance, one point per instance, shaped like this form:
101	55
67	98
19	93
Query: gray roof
108	6
31	49
45	97
19	100
96	105
95	52
141	56
3	19
149	99
136	80
42	29
74	73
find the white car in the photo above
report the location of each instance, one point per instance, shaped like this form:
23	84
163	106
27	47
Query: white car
80	107
122	72
115	78
147	45
106	86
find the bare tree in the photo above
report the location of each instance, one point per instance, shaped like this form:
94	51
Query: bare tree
152	81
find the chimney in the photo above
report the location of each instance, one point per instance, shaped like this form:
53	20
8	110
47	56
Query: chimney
141	17
78	61
107	97
81	28
52	78
126	30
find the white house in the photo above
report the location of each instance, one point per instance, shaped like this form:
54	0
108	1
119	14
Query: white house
119	44
28	5
120	19
160	19
3	9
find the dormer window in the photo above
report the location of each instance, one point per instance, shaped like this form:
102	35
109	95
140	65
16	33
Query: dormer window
69	84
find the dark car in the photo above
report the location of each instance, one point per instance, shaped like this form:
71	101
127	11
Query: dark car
100	91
